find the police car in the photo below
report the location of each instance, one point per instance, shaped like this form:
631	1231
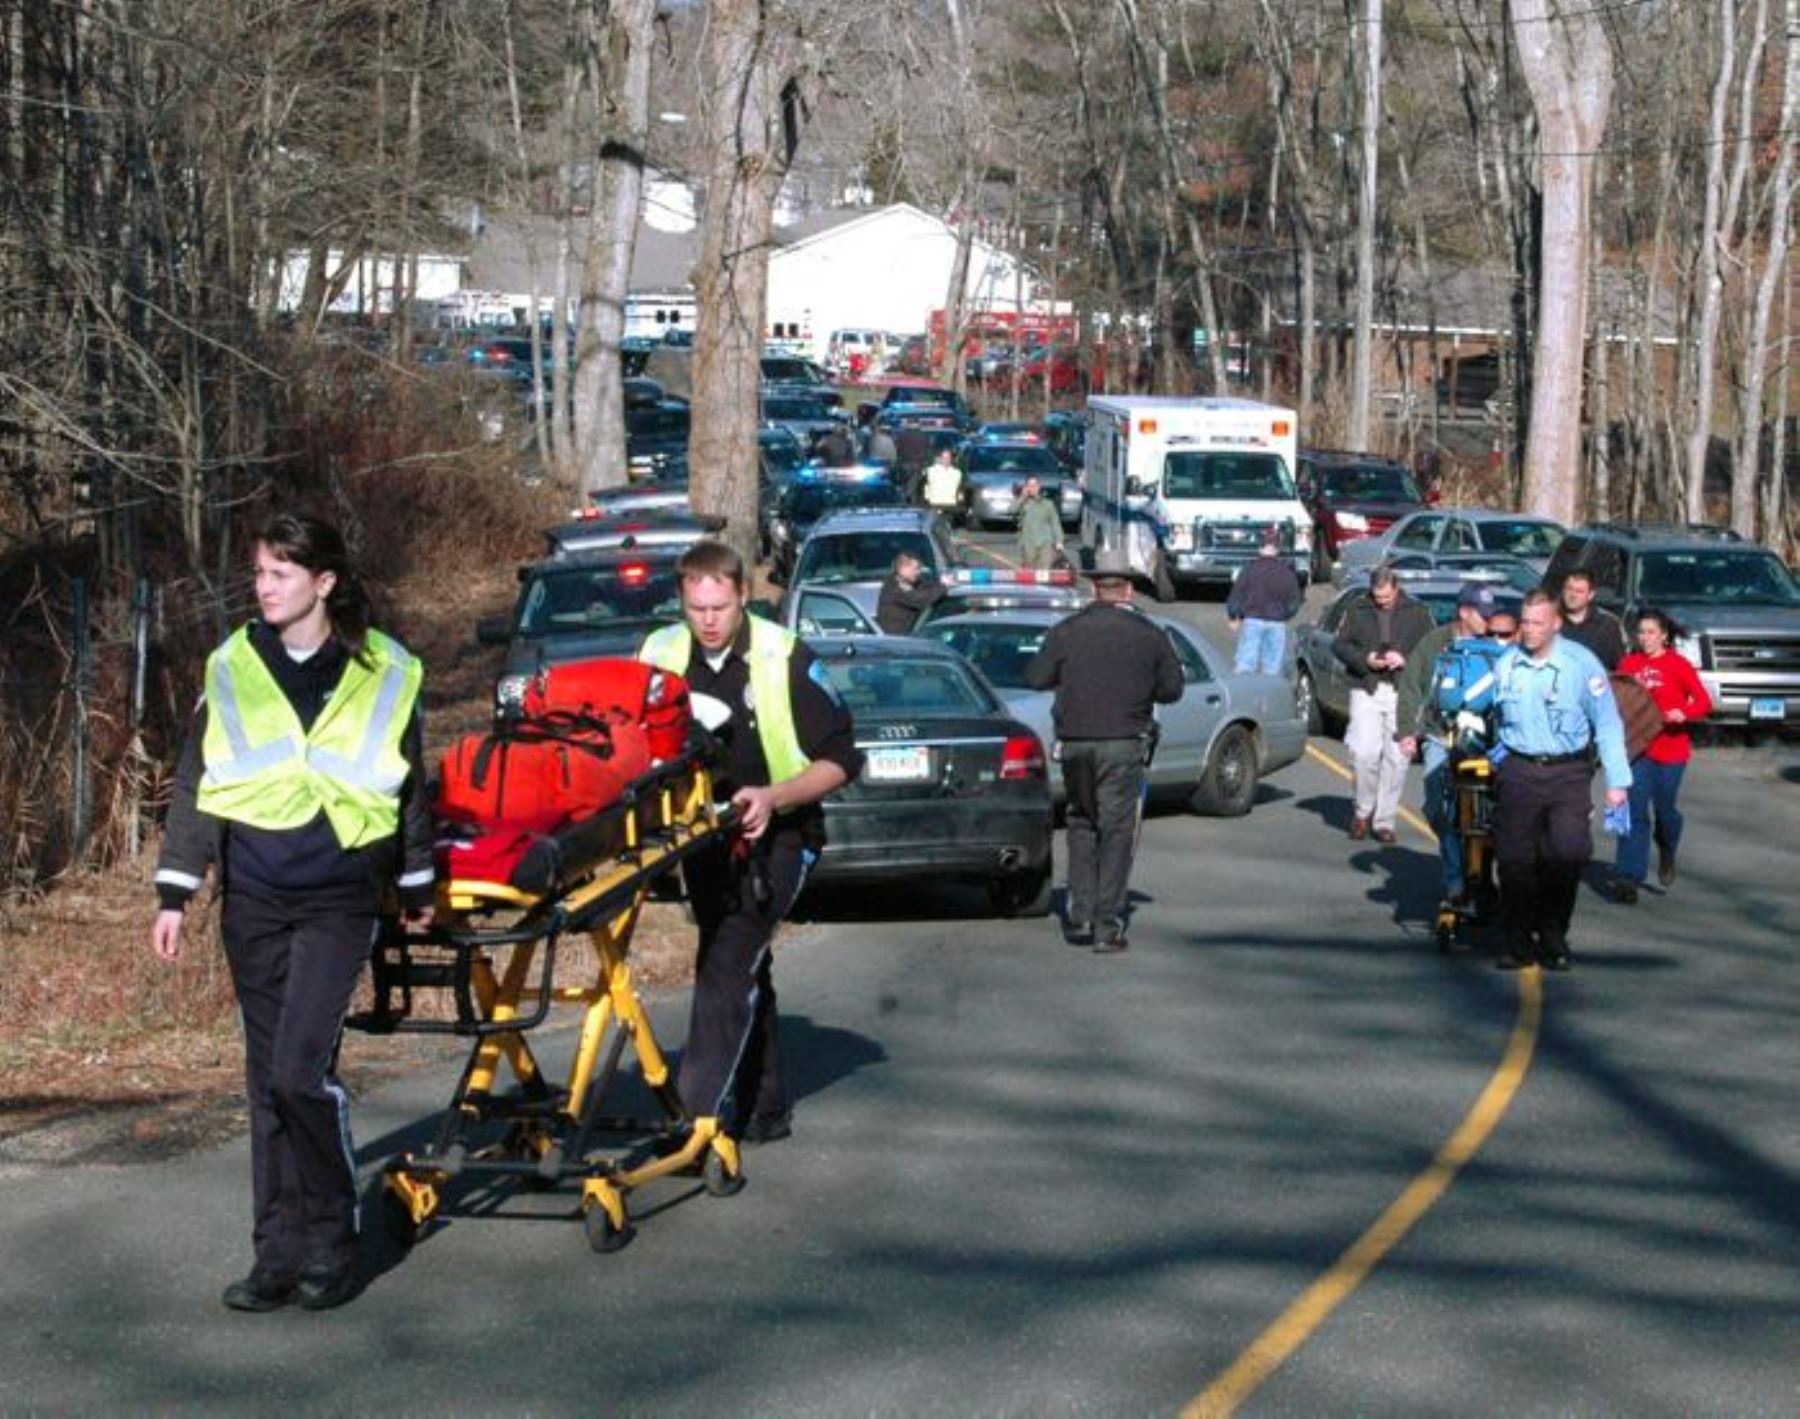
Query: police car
815	492
838	574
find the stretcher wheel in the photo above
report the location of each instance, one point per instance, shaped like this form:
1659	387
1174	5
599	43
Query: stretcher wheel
720	1181
603	1234
397	1219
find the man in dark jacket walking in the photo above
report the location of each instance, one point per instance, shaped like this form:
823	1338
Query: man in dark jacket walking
1109	666
1265	596
1374	643
1589	625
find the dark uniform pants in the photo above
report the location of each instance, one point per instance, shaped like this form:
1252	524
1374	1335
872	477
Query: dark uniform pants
1103	779
294	973
1543	837
731	1064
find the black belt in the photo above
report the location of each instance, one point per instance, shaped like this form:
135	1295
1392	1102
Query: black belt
1543	760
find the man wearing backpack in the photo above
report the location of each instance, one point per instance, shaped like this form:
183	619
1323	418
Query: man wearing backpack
1447	692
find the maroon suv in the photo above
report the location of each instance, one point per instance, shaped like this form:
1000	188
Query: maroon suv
1351	496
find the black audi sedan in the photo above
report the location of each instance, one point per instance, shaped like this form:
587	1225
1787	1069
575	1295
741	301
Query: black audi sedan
952	785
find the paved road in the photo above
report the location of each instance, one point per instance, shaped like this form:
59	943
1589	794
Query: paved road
1030	1180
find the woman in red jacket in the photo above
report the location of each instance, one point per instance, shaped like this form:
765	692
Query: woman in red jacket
1675	685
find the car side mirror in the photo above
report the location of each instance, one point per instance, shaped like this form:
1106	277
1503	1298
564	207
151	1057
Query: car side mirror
1138	488
493	630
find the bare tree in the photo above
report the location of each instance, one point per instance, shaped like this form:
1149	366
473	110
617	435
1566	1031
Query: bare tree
1364	352
1567	64
751	126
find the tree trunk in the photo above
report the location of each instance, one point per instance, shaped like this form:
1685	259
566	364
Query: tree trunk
750	126
1361	394
611	239
1748	466
1711	272
1567	66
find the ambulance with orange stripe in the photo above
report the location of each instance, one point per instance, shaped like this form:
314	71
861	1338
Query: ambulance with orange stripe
1189	487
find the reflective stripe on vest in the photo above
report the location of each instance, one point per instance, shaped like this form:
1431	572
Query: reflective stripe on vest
265	770
771	648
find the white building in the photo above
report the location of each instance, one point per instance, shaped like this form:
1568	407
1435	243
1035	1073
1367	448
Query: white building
882	268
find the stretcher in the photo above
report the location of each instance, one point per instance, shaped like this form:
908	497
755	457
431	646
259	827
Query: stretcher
1469	814
493	951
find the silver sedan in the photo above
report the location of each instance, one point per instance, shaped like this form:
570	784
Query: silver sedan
1225	733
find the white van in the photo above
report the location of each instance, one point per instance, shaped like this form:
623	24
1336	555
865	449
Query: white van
1189	486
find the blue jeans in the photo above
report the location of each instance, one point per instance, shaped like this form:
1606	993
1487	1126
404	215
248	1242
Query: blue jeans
1653	786
1262	645
1440	812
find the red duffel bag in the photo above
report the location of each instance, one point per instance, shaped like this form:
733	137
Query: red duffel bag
582	732
655	699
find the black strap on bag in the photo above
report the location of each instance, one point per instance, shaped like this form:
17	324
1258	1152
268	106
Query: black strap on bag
572	729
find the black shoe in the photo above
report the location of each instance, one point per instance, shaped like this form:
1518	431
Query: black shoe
1111	939
1665	866
1078	933
1624	892
767	1128
260	1291
322	1287
1518	953
1553	951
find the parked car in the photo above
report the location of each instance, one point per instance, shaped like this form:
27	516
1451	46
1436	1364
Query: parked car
1321	688
804	415
952	785
1217	741
930	402
655	435
1351	496
797	373
967	591
1530	539
850	553
814	494
994	473
1494	567
1736	602
580	607
593	530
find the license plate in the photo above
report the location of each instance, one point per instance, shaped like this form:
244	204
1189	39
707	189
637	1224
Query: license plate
1768	707
1181	538
909	765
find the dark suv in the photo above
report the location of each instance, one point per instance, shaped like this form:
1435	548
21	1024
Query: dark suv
1737	603
1351	496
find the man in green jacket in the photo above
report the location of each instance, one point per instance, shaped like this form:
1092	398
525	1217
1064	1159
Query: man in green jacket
1040	528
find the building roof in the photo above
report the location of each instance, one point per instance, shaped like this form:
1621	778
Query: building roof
501	257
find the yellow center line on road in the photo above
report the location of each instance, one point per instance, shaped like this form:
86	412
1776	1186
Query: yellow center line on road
1310	1310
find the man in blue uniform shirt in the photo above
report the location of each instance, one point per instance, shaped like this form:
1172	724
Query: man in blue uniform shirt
1555	709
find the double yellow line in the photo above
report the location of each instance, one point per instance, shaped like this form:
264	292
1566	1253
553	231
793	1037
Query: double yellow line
1310	1310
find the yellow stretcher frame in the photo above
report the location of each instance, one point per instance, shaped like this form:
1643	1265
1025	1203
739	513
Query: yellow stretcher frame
1471	783
662	818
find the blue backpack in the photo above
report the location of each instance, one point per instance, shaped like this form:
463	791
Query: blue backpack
1464	677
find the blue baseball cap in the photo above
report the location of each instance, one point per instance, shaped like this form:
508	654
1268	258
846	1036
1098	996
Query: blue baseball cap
1480	597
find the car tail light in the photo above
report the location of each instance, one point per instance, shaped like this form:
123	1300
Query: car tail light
634	574
1022	758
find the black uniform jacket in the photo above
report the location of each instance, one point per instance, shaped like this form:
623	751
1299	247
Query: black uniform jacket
821	722
1109	666
305	861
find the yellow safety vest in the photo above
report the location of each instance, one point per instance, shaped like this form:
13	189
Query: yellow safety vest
263	769
771	648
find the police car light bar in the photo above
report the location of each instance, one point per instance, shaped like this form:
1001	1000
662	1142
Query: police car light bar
1003	576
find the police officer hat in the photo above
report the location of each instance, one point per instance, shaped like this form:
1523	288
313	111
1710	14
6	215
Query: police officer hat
1110	564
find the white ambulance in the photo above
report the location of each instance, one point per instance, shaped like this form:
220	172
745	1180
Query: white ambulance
1189	486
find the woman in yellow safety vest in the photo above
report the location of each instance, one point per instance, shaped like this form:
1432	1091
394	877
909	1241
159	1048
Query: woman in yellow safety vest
301	785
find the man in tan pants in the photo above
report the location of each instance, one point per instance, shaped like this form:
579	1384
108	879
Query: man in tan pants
1374	639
